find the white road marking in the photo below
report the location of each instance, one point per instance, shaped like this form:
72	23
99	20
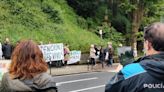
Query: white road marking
72	81
79	90
76	74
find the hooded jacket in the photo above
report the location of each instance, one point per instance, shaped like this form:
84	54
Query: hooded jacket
40	83
144	75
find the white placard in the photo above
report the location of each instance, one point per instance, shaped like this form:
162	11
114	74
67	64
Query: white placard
74	56
52	52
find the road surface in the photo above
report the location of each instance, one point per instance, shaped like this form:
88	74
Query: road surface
85	82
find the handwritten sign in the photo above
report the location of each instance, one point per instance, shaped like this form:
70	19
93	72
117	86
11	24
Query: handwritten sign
74	56
52	52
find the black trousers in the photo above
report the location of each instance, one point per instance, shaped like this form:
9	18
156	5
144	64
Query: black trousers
92	61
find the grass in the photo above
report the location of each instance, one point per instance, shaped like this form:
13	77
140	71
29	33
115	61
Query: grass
43	20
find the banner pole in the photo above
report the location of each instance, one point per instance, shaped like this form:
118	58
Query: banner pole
50	67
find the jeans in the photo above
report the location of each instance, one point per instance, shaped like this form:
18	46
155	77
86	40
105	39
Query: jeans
110	62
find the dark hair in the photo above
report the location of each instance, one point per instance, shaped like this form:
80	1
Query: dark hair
155	35
27	61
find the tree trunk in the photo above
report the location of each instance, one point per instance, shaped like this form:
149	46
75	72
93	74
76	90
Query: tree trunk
137	16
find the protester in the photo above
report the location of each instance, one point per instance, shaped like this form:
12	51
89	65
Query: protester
97	53
97	50
1	53
28	71
147	73
102	56
7	49
109	57
92	54
66	54
109	52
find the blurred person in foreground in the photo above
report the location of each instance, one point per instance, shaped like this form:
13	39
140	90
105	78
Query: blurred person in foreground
147	73
28	71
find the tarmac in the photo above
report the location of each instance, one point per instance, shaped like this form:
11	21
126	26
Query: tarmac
73	69
76	69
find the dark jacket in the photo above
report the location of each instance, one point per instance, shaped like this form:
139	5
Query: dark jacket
7	50
40	83
110	53
145	75
102	55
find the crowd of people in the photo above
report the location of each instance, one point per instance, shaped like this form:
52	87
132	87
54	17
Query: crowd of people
28	69
102	54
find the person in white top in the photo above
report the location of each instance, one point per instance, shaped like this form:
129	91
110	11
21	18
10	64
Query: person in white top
92	54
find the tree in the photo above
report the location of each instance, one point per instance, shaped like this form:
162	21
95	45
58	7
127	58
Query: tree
85	8
137	9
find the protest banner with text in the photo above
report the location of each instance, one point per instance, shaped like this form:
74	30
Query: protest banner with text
52	52
74	56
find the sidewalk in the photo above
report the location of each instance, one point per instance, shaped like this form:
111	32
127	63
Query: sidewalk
74	69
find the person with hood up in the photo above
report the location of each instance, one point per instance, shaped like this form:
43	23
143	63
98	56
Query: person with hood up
147	73
28	71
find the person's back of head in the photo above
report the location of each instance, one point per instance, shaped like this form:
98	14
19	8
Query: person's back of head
27	61
147	73
154	38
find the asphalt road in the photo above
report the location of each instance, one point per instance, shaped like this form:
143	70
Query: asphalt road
85	82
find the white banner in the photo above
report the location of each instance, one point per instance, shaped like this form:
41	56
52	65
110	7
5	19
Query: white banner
52	52
74	57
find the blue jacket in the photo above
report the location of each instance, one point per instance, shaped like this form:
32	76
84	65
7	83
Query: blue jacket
145	75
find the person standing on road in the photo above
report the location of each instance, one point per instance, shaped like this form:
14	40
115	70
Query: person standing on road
110	54
106	50
7	49
97	53
92	54
66	54
102	56
28	71
147	73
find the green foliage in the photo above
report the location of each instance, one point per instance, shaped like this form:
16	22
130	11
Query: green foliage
140	36
121	24
53	14
43	20
85	8
82	22
110	34
154	14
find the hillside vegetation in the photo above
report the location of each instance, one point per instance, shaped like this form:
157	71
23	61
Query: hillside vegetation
43	21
